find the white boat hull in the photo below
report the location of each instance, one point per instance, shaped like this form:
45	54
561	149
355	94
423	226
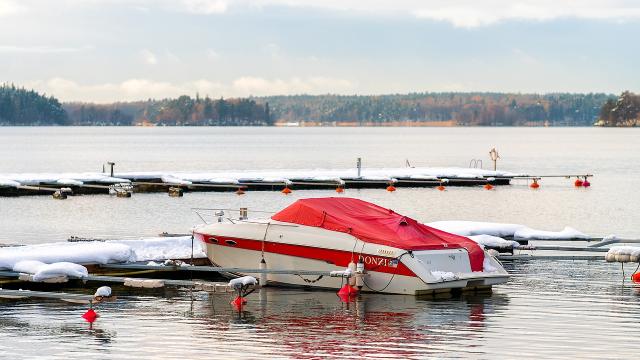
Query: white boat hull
375	281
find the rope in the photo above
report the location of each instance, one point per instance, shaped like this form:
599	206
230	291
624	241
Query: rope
310	281
264	238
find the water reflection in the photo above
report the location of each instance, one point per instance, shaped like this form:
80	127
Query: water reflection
313	324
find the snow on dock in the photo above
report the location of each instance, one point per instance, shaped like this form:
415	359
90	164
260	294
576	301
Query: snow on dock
87	182
102	252
623	254
500	230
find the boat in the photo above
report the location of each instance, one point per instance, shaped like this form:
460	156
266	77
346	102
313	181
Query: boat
398	254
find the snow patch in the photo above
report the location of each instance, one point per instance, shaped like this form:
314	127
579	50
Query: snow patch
243	281
623	254
487	267
42	271
517	231
102	252
69	182
9	183
494	241
444	275
104	291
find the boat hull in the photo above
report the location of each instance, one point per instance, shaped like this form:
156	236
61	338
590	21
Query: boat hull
398	282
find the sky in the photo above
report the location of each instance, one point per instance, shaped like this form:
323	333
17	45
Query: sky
125	50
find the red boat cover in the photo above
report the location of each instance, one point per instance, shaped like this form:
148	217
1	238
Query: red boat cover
375	224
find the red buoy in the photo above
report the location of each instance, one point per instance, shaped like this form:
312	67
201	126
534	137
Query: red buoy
586	183
391	188
578	183
286	190
441	188
635	277
240	191
339	190
90	316
534	184
488	186
347	293
239	302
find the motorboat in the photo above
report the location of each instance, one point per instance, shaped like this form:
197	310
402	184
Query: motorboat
394	253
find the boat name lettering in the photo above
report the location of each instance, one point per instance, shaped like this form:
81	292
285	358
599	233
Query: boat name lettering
377	260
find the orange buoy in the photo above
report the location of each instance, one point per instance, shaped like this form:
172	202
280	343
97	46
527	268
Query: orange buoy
339	190
488	186
391	188
535	184
441	188
240	191
586	183
578	183
286	190
635	277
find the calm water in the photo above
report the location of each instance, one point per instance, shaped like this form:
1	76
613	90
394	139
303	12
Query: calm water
547	310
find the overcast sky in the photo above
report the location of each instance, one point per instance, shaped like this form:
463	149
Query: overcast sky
110	50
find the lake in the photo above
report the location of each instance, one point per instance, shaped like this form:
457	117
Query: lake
549	309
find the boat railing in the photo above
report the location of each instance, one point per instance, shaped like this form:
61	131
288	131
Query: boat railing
220	214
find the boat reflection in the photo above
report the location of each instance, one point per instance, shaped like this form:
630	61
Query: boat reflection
317	324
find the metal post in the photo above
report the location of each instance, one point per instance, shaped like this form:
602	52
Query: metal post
359	164
494	157
111	164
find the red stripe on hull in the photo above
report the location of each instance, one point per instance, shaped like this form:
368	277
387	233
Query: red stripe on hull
339	258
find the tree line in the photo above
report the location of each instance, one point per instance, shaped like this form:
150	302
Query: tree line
623	111
19	106
182	111
477	109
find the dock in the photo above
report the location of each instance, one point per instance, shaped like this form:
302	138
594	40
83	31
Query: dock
175	184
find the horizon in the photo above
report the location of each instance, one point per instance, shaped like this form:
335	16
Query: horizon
106	51
201	96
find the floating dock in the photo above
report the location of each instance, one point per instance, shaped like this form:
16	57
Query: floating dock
60	185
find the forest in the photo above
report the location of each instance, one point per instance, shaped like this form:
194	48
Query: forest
623	111
465	109
19	106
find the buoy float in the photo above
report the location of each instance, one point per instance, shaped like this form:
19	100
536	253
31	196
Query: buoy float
586	183
239	302
534	184
240	191
347	293
441	188
339	190
286	190
635	277
488	186
391	188
90	316
578	183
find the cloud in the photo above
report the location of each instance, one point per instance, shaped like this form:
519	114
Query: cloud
9	7
525	57
140	89
39	49
149	57
459	13
205	7
248	85
212	54
476	13
469	14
